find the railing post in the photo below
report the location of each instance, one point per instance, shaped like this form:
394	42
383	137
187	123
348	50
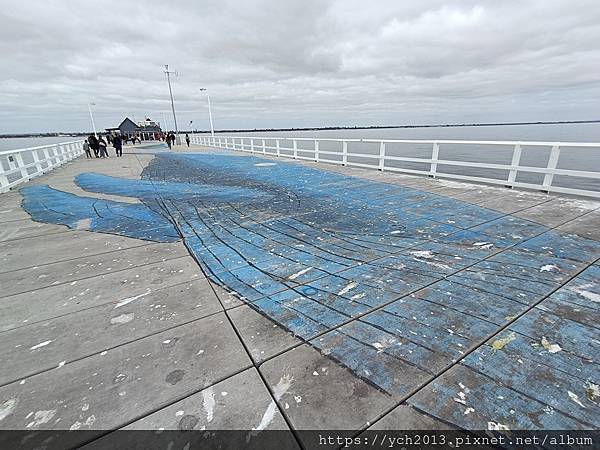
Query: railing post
381	155
12	163
3	177
344	153
552	163
263	147
278	149
3	180
21	166
514	165
55	155
47	159
435	153
58	151
251	145
316	151
36	161
295	145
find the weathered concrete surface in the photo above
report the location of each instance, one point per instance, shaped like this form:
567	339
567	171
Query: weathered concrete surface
352	330
33	251
39	277
263	337
60	299
83	333
322	394
240	402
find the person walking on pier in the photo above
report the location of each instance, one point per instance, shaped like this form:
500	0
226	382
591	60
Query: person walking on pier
86	149
93	141
187	139
168	139
102	148
118	145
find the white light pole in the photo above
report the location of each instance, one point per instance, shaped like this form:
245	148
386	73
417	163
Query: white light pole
172	104
212	130
90	104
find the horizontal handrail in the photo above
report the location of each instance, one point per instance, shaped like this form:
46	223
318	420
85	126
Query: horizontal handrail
18	150
20	165
415	141
378	159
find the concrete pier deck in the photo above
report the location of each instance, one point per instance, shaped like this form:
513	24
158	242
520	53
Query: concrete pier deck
229	291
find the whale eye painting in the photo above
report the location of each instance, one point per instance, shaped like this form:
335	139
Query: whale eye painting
393	283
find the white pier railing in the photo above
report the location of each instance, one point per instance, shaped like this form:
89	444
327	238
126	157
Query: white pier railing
371	153
20	165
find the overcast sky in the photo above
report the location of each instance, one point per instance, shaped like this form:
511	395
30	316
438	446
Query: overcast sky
285	63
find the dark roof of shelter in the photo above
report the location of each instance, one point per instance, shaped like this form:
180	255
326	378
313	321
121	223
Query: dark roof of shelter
127	121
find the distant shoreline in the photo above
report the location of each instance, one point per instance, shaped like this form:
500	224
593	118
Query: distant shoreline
372	127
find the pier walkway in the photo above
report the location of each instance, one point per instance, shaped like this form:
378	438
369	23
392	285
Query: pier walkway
211	289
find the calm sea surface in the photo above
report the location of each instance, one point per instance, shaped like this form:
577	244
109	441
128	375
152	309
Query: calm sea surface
586	158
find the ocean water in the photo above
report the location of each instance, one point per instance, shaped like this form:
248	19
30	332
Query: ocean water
15	143
575	158
582	158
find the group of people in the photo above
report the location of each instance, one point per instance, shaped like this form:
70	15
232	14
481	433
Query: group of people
98	145
170	139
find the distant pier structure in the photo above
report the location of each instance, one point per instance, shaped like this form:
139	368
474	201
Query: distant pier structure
145	130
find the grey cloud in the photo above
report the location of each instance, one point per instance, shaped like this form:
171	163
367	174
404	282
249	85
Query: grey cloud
297	63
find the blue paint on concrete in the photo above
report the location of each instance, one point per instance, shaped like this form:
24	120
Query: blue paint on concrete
132	220
394	283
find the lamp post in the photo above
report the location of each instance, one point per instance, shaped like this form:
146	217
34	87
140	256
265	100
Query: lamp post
172	104
90	104
212	130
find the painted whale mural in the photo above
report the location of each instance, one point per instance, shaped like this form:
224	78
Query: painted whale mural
394	283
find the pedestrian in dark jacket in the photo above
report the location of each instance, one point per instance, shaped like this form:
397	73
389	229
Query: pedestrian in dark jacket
168	139
118	145
187	139
93	140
